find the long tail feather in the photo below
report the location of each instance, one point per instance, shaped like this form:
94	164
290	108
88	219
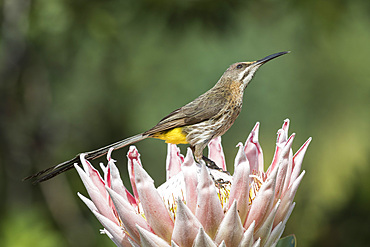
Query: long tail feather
51	172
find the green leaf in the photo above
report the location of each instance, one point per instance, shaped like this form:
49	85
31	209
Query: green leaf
288	241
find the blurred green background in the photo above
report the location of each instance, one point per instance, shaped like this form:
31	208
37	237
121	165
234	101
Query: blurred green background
77	75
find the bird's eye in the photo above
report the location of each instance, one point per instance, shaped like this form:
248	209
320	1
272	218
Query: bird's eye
239	66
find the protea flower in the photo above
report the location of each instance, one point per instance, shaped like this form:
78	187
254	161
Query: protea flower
198	206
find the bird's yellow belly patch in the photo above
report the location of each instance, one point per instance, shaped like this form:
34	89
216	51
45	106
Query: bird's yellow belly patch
174	136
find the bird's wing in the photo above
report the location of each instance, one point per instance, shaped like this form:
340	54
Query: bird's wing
202	108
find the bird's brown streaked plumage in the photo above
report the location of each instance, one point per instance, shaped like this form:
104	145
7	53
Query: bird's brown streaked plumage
202	108
196	123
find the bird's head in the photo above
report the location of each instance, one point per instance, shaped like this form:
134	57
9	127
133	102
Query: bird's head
243	72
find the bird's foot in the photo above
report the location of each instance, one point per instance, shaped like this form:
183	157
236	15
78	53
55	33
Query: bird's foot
212	165
220	183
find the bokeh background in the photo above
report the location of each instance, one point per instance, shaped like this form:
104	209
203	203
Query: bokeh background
77	75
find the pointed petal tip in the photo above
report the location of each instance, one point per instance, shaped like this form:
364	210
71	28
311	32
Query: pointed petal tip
286	123
285	126
149	239
202	239
257	243
180	203
109	155
256	127
302	150
253	136
216	153
222	244
189	158
253	224
234	205
80	195
81	172
133	152
308	141
82	156
83	161
291	137
140	174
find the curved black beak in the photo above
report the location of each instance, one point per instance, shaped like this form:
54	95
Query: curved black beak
268	58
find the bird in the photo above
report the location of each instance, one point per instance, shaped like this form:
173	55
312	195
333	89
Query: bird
196	123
